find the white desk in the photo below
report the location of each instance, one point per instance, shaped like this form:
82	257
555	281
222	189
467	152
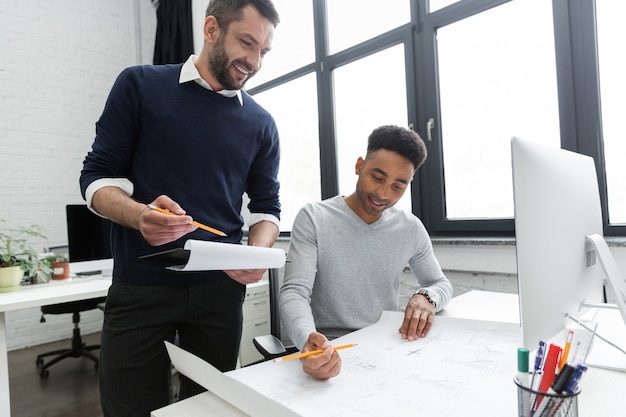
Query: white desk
601	389
36	296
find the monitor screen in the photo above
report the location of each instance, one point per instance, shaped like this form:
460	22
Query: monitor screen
88	235
557	205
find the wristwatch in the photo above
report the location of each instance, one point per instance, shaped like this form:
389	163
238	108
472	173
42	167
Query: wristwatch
425	293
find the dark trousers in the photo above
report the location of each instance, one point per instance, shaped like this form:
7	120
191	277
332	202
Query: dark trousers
134	364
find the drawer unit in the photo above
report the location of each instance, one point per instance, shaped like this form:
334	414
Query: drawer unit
256	320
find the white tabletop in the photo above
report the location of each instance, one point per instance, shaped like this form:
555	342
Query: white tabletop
601	390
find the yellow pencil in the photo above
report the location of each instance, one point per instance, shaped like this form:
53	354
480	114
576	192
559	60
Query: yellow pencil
568	344
313	352
195	223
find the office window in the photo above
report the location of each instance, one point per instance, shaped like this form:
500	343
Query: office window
483	71
294	107
293	44
435	5
353	21
612	65
497	79
369	93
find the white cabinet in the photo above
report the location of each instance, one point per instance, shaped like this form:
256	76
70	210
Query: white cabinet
256	320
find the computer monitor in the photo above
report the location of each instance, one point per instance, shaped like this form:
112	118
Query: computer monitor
557	205
88	235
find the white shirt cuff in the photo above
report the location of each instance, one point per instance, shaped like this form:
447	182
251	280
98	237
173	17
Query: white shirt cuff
122	183
255	218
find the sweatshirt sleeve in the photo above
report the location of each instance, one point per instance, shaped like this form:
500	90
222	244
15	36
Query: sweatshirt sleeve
300	270
426	269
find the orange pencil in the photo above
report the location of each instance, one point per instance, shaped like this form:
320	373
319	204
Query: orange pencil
313	352
568	344
195	223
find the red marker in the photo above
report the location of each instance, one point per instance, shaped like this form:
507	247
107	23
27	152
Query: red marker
549	371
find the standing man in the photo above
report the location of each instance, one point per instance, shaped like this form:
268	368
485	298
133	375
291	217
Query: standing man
188	139
347	254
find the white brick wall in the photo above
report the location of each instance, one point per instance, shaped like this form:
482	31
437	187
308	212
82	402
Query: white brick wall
59	59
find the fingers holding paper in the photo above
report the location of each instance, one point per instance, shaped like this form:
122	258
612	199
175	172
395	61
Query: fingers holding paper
324	365
418	318
246	276
159	228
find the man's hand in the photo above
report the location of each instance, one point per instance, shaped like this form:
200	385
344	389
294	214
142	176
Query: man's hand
156	228
261	234
159	228
324	365
418	318
246	276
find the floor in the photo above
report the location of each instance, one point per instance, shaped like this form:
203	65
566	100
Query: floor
71	389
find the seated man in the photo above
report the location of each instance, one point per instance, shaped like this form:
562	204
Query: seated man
347	254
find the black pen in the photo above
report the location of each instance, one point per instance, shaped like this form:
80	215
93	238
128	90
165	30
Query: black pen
550	405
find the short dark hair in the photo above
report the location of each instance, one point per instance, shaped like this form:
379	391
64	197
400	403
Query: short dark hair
401	140
228	11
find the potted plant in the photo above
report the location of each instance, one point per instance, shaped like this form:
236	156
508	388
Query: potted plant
59	265
18	255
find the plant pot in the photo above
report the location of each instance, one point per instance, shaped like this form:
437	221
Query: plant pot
60	270
11	278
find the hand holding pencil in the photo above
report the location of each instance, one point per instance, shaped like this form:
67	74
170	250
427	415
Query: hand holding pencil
319	358
310	353
195	223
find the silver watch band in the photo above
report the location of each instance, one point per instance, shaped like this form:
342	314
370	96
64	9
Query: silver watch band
427	295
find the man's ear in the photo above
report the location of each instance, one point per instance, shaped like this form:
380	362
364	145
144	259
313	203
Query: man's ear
358	166
211	29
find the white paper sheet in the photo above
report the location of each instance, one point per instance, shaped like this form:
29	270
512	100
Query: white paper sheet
463	367
215	256
241	396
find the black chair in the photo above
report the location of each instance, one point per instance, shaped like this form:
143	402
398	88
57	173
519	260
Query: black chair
78	348
270	345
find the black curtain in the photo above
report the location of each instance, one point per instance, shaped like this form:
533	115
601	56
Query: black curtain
174	34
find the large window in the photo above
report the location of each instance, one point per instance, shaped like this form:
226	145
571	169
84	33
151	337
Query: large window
360	107
300	157
467	75
497	80
612	61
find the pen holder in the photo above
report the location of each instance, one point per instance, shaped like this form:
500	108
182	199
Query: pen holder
532	403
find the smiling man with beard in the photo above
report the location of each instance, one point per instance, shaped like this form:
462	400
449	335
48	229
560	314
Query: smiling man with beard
347	254
188	139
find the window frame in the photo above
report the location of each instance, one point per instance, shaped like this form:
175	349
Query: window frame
577	86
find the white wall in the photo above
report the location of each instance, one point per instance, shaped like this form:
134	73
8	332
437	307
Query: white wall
59	61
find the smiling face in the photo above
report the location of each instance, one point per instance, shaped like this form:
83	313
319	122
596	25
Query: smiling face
230	58
383	178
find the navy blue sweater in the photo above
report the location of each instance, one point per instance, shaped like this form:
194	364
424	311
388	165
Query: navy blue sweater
200	148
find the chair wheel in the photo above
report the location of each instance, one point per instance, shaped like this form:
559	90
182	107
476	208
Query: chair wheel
44	374
39	362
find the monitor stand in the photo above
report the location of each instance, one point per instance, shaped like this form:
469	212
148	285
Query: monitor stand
611	272
611	318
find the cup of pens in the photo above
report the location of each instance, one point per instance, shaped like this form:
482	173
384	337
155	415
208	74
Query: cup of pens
533	403
552	388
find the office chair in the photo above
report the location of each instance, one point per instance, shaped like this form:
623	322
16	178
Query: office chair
270	345
78	348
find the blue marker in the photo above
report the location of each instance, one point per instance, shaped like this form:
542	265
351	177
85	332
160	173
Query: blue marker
539	357
541	351
572	386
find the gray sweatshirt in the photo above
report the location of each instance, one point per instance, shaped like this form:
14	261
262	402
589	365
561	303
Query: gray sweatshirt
342	273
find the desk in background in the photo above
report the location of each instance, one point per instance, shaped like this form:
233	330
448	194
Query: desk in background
600	395
36	296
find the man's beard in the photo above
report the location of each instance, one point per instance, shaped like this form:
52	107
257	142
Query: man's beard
220	65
